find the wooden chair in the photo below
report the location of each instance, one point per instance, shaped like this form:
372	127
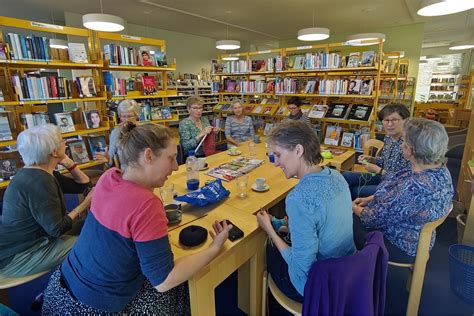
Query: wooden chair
8	282
461	117
369	147
417	269
287	303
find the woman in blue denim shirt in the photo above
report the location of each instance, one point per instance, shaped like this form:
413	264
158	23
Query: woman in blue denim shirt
318	209
391	159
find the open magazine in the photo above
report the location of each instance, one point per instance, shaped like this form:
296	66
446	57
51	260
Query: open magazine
234	169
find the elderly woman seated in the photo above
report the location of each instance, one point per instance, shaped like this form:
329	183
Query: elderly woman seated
36	232
412	197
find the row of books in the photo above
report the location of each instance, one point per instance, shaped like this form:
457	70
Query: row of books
131	56
290	85
47	86
28	47
149	112
335	136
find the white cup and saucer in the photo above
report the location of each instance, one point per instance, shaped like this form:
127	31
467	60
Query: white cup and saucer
202	164
260	185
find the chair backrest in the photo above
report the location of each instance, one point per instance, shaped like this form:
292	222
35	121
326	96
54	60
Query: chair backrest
462	117
373	143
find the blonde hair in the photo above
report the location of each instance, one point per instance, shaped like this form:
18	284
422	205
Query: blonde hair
194	100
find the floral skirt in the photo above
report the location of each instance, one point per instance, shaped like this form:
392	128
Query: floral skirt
148	301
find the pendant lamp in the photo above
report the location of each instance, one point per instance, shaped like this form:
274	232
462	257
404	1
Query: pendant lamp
364	39
313	33
103	22
443	7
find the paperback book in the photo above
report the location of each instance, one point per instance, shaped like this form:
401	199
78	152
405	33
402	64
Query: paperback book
65	122
149	85
78	151
368	58
360	112
337	110
354	86
8	168
353	60
347	139
97	144
332	136
317	111
92	118
234	169
77	53
5	129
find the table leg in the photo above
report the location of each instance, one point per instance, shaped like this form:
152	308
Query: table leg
201	297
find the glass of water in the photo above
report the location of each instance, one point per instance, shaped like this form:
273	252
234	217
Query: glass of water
241	183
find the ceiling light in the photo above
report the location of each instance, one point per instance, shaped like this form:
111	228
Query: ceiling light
57	43
443	7
402	54
433	57
103	22
462	45
423	61
227	44
313	34
230	58
365	39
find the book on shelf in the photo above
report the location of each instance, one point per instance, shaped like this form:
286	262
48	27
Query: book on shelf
354	86
258	109
77	53
166	112
5	128
347	139
234	169
268	110
145	112
3	51
333	133
360	112
337	110
78	151
160	58
353	60
97	144
282	111
85	87
146	59
259	65
29	47
318	111
1	95
360	139
92	118
311	86
366	87
65	122
34	119
8	168
248	108
149	85
367	58
226	107
120	55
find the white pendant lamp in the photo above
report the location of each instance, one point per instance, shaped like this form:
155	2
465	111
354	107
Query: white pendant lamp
230	58
443	7
364	39
402	54
227	44
462	45
103	22
313	34
58	43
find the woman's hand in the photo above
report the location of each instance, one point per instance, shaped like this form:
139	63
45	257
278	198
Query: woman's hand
357	209
264	221
216	129
363	159
102	156
363	201
67	162
207	129
370	167
220	233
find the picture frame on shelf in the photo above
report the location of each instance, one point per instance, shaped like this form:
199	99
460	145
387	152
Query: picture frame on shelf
92	118
78	151
64	122
8	168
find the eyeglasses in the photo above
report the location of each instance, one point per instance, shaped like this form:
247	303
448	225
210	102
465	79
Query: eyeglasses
292	108
393	121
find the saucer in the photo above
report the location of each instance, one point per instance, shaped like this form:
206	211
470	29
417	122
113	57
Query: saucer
176	220
264	189
238	152
205	168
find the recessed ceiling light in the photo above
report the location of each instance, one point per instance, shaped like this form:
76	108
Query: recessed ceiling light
313	34
444	7
462	45
230	58
365	39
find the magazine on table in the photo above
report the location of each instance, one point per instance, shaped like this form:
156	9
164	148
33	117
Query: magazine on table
234	169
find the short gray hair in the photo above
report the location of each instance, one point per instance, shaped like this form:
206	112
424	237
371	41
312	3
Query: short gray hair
427	139
37	143
128	106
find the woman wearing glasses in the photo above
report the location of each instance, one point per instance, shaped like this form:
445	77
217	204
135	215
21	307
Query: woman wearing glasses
391	159
294	107
193	128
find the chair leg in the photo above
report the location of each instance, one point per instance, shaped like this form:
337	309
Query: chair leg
416	287
264	293
4	297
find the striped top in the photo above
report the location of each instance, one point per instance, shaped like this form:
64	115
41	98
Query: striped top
241	132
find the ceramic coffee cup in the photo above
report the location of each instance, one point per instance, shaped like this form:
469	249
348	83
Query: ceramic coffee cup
233	150
201	163
260	183
173	212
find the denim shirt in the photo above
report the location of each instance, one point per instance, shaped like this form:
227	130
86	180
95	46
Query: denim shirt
319	212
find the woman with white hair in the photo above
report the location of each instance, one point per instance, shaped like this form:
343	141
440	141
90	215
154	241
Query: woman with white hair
128	111
36	232
412	197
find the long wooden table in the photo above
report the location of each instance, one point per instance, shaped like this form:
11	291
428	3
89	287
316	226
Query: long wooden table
245	255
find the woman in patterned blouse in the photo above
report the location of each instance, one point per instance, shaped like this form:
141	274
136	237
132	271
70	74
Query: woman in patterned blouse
410	198
239	127
193	128
391	159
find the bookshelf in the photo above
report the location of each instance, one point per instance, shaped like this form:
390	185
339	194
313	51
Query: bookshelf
443	88
38	80
319	74
464	91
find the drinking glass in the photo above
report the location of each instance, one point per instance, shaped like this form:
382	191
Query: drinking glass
241	183
167	193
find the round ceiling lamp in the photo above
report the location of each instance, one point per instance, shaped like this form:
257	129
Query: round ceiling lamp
58	43
443	7
227	44
230	58
313	34
103	22
365	39
433	57
461	45
401	54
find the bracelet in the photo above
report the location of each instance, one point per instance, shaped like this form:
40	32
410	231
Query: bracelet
71	168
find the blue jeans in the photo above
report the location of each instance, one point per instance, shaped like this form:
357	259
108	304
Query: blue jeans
278	269
361	184
395	254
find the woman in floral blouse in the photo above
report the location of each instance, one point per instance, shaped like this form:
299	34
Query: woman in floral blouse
239	127
410	198
391	159
193	128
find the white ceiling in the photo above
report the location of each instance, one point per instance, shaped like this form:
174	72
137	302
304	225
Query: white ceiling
257	22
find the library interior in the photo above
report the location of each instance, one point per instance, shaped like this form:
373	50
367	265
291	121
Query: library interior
306	157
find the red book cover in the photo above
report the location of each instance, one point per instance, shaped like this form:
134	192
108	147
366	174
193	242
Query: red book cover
54	87
149	85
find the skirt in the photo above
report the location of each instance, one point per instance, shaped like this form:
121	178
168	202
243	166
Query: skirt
148	301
